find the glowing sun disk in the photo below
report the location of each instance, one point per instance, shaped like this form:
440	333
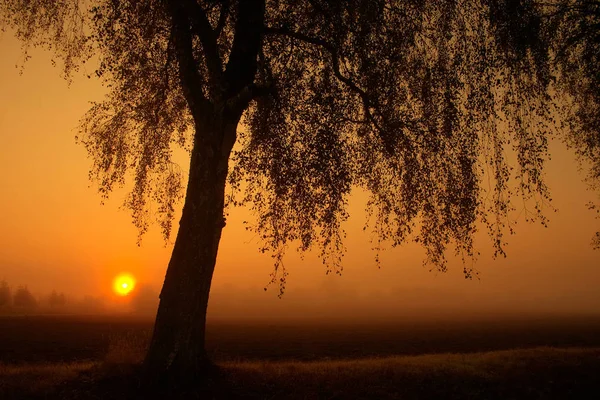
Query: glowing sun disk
123	284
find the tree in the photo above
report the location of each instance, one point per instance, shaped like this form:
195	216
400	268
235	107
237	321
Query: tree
56	299
415	101
24	299
5	295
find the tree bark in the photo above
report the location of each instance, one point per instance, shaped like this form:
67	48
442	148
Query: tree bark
177	351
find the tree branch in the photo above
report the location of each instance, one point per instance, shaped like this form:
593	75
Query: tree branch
332	50
202	28
222	18
238	103
188	69
243	59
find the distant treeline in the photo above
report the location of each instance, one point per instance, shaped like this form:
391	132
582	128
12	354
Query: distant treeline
22	298
19	300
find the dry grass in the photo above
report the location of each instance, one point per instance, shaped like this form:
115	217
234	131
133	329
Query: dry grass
20	381
127	348
536	373
485	364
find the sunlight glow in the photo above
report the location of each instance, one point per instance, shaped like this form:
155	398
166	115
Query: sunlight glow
123	284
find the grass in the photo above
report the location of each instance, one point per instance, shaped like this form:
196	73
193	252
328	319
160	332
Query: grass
538	373
29	380
127	348
110	370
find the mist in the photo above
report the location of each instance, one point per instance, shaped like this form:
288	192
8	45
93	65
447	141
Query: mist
57	236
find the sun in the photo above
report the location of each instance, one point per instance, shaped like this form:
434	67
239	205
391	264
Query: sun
123	284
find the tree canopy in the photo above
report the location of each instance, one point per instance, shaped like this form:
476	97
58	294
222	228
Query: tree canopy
5	294
427	105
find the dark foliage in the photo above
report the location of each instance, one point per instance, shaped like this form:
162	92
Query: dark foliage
418	102
5	294
23	298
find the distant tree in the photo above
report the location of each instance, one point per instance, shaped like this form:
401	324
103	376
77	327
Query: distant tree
56	299
5	295
24	299
62	300
417	102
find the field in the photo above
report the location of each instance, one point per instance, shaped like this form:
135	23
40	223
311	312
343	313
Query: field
495	357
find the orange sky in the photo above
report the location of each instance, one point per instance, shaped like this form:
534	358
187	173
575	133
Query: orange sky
54	234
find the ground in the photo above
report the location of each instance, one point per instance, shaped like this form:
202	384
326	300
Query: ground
495	358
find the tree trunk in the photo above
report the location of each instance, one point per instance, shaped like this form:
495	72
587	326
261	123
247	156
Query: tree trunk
177	350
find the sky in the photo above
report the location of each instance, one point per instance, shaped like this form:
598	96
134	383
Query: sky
56	235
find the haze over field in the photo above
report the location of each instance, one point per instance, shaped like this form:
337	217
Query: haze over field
55	235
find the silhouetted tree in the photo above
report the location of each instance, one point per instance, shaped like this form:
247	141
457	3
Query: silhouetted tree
24	299
5	295
416	102
56	299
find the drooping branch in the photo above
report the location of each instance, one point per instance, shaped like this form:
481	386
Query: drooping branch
332	50
562	7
